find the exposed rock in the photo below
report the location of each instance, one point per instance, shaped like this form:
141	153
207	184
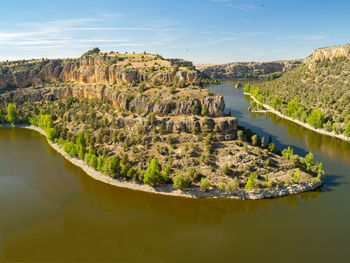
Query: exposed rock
87	69
321	54
241	69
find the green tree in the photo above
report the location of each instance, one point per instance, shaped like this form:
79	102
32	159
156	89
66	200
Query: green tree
309	160
316	118
276	104
12	114
166	173
255	139
153	175
81	145
347	130
251	184
99	163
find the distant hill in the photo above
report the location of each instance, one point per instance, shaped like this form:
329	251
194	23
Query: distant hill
247	69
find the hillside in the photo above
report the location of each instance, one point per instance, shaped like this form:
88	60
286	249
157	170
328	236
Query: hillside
248	69
317	92
142	118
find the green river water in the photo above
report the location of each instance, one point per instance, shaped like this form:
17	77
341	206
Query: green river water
51	211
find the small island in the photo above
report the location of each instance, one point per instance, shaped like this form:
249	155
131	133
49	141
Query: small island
147	123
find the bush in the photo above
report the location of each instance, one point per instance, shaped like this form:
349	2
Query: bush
152	175
182	181
226	170
205	184
240	134
251	184
255	139
232	185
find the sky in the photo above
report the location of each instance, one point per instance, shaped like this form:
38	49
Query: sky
202	31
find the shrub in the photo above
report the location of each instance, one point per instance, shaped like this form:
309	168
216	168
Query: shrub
240	134
251	184
232	185
205	184
182	181
255	139
226	170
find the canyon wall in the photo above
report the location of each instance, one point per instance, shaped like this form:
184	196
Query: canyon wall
241	69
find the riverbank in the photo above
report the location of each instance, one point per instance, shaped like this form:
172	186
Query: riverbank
268	108
194	192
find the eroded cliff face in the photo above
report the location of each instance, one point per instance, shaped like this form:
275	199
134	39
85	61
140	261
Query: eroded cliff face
321	54
121	101
90	69
242	69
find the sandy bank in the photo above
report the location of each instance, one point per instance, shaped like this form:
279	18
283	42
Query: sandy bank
194	192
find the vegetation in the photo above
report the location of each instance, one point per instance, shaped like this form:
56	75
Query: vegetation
316	95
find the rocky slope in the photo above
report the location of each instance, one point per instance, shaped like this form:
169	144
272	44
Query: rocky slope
244	69
112	68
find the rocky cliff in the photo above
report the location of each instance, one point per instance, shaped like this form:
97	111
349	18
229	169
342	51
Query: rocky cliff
109	68
243	69
321	54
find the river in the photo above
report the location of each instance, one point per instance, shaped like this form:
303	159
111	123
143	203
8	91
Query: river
51	211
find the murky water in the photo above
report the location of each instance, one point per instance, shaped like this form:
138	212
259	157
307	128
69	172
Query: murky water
51	211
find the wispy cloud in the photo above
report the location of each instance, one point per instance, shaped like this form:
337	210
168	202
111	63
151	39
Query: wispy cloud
243	7
122	29
302	37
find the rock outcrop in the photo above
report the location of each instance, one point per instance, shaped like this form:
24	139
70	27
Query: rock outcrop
321	54
90	69
242	69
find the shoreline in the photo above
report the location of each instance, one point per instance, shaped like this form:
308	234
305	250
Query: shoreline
193	192
305	125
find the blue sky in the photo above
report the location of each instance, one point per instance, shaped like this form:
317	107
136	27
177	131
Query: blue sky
203	31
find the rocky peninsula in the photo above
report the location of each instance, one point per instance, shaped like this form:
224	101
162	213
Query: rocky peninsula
147	123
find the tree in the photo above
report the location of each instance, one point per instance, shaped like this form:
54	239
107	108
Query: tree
276	104
346	131
166	173
81	145
12	113
152	175
112	166
251	184
316	118
99	163
309	160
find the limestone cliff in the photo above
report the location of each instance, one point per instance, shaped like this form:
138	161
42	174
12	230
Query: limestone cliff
109	68
242	69
321	54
